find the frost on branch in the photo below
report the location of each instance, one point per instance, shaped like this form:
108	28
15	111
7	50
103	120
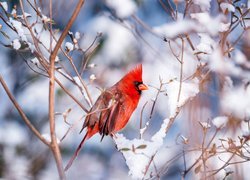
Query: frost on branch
204	5
139	153
172	30
4	5
16	44
188	90
227	7
220	121
69	46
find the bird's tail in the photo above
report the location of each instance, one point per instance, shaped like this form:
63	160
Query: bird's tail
77	151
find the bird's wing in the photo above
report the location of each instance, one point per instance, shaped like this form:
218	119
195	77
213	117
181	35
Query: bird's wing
109	117
103	112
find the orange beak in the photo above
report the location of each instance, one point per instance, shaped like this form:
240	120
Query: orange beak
142	87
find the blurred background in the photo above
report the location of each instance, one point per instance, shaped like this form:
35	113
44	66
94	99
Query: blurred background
120	36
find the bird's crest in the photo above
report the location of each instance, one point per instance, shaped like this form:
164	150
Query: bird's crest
135	74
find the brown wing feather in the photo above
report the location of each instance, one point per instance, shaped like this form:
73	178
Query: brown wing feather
106	124
99	111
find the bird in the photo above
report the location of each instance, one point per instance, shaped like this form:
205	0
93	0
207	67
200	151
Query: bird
113	108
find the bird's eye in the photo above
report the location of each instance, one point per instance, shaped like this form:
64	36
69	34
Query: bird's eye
137	83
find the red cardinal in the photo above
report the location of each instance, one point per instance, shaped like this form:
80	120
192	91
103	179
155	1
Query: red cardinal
113	108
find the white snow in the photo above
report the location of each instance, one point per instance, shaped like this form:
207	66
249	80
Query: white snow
4	5
25	14
92	77
236	101
206	44
122	8
13	12
138	160
208	24
158	137
92	65
224	27
16	44
227	7
69	46
222	64
77	35
18	26
204	4
35	61
45	19
220	121
188	90
240	58
173	29
142	130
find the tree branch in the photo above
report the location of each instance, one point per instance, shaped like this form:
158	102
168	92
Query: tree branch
54	145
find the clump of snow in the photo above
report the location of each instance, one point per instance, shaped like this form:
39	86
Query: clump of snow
188	90
57	59
240	58
45	19
16	44
224	27
92	65
35	61
221	64
13	12
142	130
204	5
25	14
206	44
77	35
69	46
17	26
171	30
138	152
227	7
122	8
236	101
208	24
92	77
220	121
4	5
